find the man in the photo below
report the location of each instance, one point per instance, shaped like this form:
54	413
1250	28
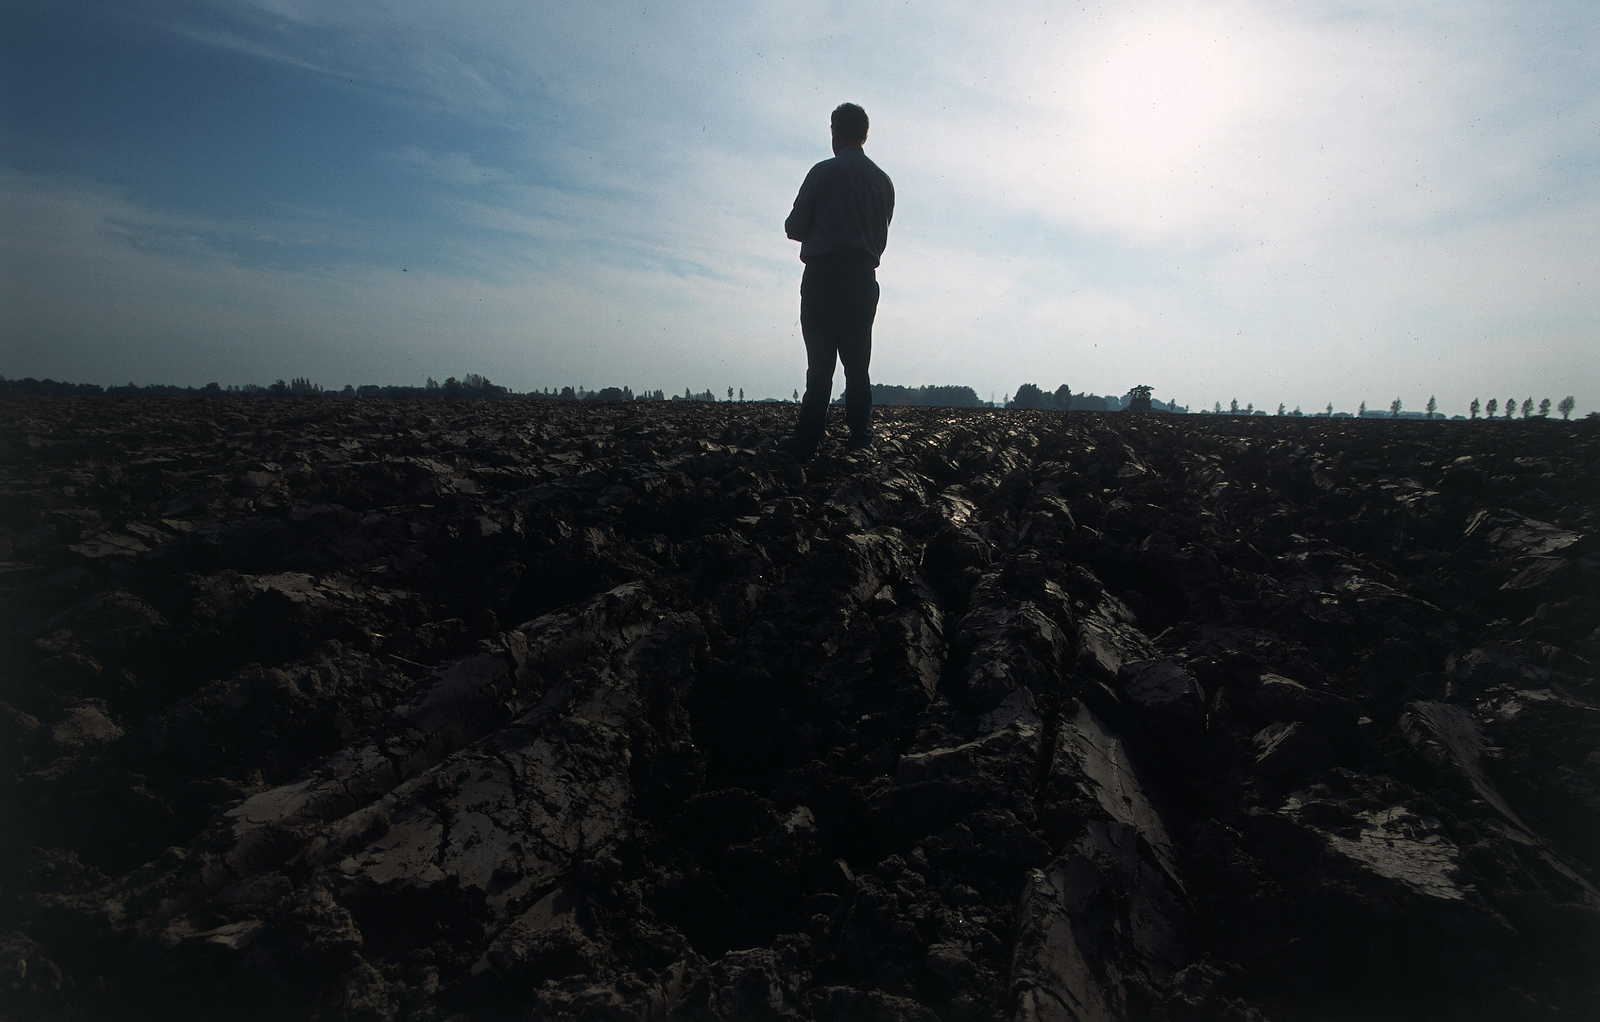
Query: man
841	220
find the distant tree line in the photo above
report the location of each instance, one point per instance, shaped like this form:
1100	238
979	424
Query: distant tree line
926	397
1062	399
472	385
1028	396
49	388
1397	410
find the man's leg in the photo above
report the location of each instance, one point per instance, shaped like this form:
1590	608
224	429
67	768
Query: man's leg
819	325
858	311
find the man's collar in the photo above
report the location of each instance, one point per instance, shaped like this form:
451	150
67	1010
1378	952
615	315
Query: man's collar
849	150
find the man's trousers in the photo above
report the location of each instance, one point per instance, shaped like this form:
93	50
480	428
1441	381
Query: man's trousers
838	302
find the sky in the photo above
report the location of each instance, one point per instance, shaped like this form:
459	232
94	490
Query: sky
1309	203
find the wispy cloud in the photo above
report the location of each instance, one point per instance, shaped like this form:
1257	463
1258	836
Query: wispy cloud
451	168
1307	203
84	295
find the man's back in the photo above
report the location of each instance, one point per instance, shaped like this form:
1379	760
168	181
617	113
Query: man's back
843	210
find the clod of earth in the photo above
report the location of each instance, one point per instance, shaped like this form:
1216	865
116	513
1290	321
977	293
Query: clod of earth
406	710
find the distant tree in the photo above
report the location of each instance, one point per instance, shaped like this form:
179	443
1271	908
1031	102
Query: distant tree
432	384
1433	406
797	395
1218	409
1027	396
1490	408
1473	408
741	393
1511	406
1280	407
730	393
1233	406
1063	396
1330	409
1544	408
1527	407
1138	398
1566	406
1361	413
926	396
1394	409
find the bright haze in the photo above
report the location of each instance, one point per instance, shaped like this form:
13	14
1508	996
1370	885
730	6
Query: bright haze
1306	203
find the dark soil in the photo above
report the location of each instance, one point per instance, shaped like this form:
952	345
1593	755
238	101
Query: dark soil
504	710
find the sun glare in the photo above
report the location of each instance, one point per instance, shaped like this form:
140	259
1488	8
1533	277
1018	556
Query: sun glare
1157	120
1165	91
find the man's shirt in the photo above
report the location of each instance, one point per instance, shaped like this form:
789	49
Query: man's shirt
843	210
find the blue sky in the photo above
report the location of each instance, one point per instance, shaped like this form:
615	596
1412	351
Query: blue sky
1308	203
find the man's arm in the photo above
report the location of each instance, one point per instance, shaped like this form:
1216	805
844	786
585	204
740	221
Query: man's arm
805	209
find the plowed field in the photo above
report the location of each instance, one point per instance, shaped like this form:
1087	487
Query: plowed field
506	710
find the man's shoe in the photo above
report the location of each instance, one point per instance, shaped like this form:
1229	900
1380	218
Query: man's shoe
859	443
796	447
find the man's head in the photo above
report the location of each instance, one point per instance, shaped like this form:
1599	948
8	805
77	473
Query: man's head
849	125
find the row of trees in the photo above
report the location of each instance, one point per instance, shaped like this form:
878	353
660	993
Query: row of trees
1566	406
1397	409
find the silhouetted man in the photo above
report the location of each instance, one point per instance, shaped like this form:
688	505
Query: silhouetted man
841	220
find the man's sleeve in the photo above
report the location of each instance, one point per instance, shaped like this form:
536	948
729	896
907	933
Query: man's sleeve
804	213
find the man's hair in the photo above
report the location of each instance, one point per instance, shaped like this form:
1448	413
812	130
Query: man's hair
849	121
